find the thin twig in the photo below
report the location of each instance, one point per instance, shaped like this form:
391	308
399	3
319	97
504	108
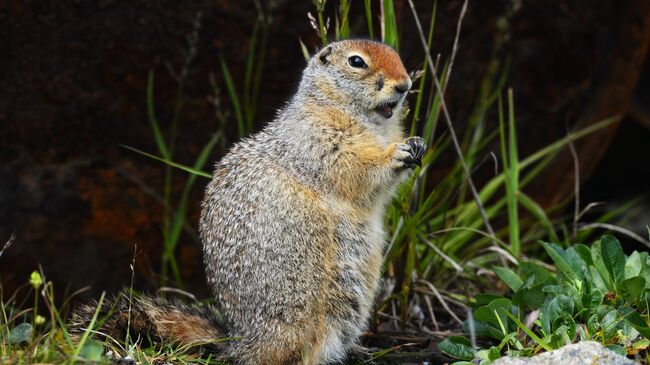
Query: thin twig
471	328
395	319
400	223
453	263
168	289
615	228
589	207
503	253
454	48
431	313
576	189
442	301
132	267
445	111
8	243
442	334
393	309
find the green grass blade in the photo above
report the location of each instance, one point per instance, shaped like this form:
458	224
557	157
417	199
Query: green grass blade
179	218
493	185
259	71
527	331
322	30
538	212
248	75
425	70
171	163
151	114
303	48
343	29
87	332
234	99
389	25
512	188
367	5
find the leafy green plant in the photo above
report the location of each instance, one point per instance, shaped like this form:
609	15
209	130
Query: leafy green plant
597	293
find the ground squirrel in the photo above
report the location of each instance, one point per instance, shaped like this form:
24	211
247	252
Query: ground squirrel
292	221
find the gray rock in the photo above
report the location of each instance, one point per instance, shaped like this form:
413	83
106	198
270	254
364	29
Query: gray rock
582	353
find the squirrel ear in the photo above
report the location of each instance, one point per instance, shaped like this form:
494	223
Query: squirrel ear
322	56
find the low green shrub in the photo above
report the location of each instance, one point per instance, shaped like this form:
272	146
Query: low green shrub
596	293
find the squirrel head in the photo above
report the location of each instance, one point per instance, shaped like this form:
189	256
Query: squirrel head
366	75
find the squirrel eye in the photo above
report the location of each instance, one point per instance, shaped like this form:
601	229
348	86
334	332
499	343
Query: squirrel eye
357	62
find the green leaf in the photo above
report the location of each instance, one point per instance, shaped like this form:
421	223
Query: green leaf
593	324
626	332
645	268
555	252
509	277
457	347
493	353
599	264
485	299
577	264
636	320
483	329
487	313
584	252
531	298
631	289
92	351
21	334
608	324
542	275
613	257
567	322
560	305
595	298
597	280
633	265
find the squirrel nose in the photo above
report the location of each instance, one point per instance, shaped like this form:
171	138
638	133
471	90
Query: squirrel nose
403	86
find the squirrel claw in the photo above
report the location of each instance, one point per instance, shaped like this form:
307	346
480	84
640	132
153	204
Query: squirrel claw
418	148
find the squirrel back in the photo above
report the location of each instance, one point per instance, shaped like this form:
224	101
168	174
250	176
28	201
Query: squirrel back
292	221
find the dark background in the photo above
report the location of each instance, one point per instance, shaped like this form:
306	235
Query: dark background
73	76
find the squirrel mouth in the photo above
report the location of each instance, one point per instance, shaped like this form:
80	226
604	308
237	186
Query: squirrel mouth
386	109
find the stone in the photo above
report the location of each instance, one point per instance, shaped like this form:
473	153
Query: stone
582	353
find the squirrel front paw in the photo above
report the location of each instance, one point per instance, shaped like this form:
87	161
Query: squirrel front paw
410	153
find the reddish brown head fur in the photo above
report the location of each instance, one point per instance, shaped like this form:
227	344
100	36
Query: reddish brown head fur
383	58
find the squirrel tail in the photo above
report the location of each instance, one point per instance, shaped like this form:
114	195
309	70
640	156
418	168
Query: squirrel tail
151	320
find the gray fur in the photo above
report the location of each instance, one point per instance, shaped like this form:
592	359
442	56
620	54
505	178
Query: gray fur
282	247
